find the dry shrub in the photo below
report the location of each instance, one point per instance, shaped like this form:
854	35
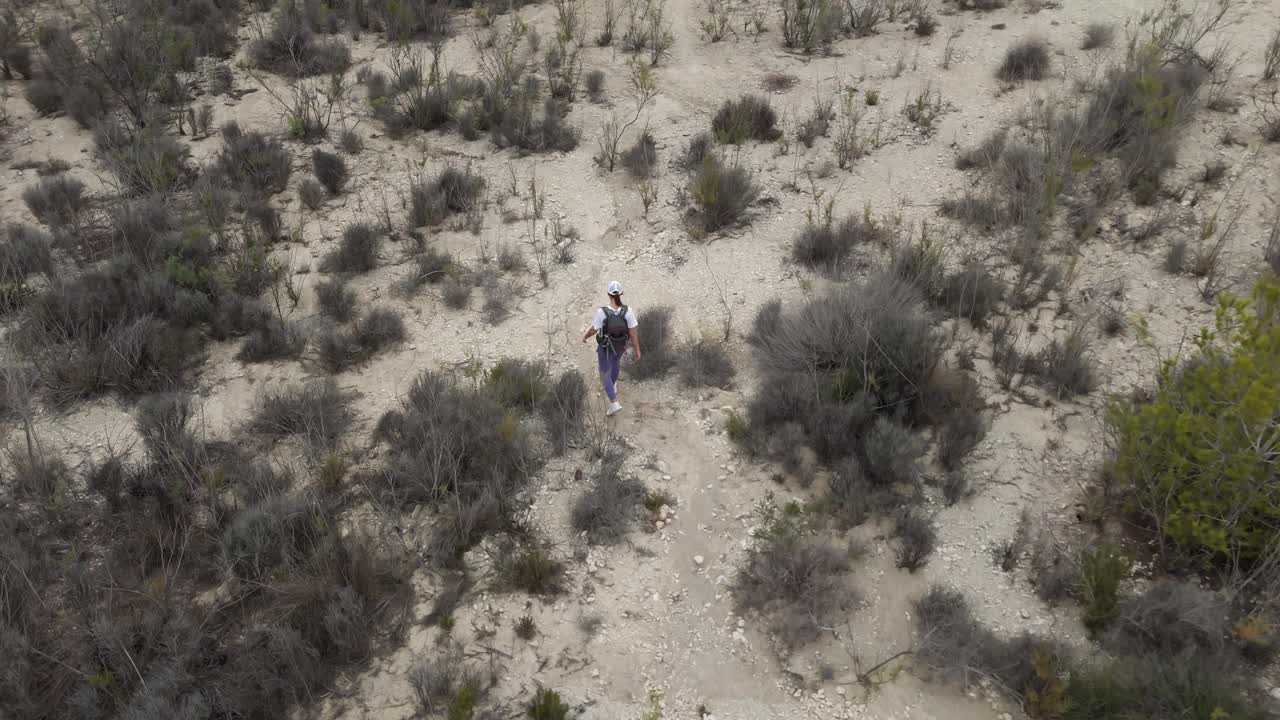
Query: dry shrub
447	685
56	201
606	511
793	578
453	190
641	159
985	154
145	162
250	161
657	345
828	244
529	568
272	339
563	409
357	252
706	363
318	411
455	446
342	348
290	47
972	293
917	536
956	646
1066	366
749	117
429	267
311	194
517	383
722	193
1169	618
1097	35
330	169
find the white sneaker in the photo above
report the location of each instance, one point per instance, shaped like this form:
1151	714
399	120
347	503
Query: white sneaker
614	409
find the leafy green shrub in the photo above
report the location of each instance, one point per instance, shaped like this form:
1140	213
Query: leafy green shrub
1190	459
1102	570
1194	687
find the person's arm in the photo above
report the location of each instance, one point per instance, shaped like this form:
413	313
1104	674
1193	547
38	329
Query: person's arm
635	341
596	323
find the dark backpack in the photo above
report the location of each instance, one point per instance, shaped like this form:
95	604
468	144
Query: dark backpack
615	330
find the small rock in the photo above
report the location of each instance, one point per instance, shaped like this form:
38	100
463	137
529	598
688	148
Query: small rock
840	690
698	560
659	524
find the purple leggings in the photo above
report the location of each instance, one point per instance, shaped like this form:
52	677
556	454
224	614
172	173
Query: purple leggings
610	366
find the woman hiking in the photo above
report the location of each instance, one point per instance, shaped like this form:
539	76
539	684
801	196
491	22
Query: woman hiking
614	326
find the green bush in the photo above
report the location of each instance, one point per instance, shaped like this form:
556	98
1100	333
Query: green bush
547	705
1101	572
1195	460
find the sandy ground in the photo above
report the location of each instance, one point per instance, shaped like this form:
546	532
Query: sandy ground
669	635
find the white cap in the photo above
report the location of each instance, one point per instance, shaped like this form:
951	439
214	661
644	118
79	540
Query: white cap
615	288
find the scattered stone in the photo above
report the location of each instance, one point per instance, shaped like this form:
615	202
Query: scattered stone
698	560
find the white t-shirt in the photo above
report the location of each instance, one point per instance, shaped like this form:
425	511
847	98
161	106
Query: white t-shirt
598	322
